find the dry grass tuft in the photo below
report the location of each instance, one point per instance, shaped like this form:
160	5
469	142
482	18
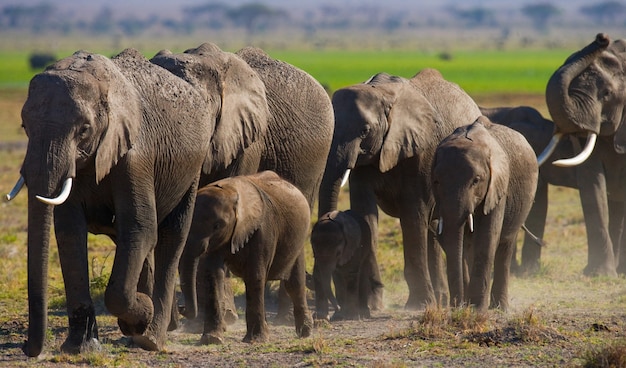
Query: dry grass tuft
612	356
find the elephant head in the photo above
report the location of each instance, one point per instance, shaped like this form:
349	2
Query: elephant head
587	95
377	123
470	176
335	238
80	114
226	214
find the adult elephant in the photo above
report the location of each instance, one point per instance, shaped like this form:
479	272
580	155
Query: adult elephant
538	132
585	97
299	128
119	144
386	131
484	178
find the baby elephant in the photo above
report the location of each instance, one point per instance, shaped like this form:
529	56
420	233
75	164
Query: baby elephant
257	226
484	178
336	239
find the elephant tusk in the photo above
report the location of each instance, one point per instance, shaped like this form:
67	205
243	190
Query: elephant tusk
346	175
549	148
16	189
440	226
586	152
470	219
62	197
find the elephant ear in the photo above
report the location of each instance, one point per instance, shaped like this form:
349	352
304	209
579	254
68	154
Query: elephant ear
499	171
410	119
119	111
249	212
243	112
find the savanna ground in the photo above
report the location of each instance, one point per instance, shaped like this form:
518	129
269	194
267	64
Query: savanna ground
558	317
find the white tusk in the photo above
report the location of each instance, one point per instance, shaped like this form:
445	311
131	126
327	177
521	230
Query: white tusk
586	152
16	189
549	148
440	226
470	219
62	197
345	178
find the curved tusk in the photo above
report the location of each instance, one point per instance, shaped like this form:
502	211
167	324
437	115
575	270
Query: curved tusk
440	226
345	178
62	197
470	219
16	189
549	148
586	152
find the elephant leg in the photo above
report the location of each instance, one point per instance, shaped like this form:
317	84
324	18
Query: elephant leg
484	243
284	313
592	191
437	270
501	273
257	330
172	235
416	271
295	286
616	226
214	324
71	234
230	309
535	223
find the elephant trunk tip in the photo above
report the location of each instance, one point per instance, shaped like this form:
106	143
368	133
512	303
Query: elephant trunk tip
602	39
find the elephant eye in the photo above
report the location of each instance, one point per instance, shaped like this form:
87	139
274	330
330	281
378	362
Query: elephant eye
476	180
84	131
365	132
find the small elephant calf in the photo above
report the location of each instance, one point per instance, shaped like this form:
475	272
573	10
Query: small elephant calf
257	226
337	248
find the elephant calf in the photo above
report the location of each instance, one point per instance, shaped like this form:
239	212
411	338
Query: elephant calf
256	225
484	178
338	250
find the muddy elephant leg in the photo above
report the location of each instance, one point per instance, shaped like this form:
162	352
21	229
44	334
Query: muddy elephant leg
295	286
284	313
592	191
213	311
536	223
616	227
172	235
71	234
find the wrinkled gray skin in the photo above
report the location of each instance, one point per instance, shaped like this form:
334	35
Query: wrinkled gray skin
484	178
336	239
134	138
386	131
256	225
538	131
300	122
587	94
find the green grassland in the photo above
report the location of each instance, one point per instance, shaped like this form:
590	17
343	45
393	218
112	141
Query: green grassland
565	302
523	71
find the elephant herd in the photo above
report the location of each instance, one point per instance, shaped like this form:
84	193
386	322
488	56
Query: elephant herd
205	163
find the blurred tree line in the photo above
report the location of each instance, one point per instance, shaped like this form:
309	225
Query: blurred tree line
256	18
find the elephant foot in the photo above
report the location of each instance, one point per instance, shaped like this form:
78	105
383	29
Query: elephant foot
211	339
256	338
136	320
375	300
601	270
87	346
306	329
147	342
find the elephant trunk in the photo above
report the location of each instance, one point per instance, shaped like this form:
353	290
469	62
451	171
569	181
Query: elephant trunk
323	292
340	160
452	243
39	224
573	110
188	270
